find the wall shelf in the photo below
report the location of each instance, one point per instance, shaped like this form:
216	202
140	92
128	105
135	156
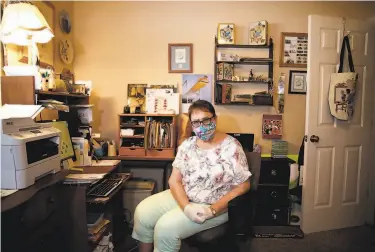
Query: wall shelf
243	46
242	104
259	61
222	86
40	92
242	82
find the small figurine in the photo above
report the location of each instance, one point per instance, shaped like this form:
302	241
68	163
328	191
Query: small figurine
251	75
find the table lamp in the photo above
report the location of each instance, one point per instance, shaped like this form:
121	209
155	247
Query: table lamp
23	24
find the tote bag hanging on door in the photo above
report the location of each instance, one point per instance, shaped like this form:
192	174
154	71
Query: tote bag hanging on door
342	87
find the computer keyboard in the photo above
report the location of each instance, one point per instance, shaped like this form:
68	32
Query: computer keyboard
106	186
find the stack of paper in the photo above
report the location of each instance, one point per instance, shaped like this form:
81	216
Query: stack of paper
159	134
79	178
279	149
95	232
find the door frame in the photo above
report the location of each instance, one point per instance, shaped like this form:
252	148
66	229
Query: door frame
370	219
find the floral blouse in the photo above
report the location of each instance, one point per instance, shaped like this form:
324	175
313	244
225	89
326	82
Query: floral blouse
208	175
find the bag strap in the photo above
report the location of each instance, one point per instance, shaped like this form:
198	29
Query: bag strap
342	53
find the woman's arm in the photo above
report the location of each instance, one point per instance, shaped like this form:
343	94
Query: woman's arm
177	189
221	205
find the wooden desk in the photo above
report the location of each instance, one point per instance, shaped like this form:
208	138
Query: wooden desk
128	163
98	169
79	204
32	218
131	158
24	195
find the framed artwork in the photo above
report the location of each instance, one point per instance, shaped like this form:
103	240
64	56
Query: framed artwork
46	51
195	87
258	33
137	90
226	33
272	126
180	58
297	82
293	51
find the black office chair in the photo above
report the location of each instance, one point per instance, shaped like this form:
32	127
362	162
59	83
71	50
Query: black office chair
241	215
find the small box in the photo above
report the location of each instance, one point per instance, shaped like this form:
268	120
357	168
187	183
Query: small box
225	71
262	100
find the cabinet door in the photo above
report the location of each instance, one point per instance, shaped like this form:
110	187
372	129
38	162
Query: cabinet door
11	87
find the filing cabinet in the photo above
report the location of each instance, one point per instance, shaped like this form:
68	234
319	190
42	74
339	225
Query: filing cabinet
273	204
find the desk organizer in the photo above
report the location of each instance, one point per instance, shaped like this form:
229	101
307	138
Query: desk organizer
154	135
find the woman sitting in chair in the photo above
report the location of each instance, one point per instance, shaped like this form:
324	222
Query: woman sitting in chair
209	170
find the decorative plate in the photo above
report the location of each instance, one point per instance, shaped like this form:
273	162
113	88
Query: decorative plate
65	23
66	51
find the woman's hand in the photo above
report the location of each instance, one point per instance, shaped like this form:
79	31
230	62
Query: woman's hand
208	214
195	212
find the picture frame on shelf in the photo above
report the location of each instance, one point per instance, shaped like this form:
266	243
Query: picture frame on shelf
297	82
180	58
258	33
226	33
293	51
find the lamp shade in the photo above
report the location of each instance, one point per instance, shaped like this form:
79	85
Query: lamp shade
23	23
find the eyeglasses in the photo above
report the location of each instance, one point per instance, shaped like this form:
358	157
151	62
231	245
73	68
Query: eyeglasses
205	121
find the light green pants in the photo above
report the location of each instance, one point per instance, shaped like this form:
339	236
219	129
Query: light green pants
158	219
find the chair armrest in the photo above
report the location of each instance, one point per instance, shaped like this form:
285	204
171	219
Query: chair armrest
241	213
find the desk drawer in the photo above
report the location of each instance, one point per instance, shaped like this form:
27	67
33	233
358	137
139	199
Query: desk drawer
273	195
162	153
133	152
275	171
40	208
271	216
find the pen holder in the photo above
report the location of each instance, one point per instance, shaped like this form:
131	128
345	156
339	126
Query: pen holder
111	150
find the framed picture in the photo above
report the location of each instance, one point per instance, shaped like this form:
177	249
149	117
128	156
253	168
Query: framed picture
180	58
272	126
258	33
225	33
137	90
293	51
297	82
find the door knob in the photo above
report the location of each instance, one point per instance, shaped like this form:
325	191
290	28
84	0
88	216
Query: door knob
314	139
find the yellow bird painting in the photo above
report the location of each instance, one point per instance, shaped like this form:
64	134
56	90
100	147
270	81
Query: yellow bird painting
193	93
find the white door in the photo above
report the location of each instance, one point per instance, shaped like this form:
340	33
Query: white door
337	167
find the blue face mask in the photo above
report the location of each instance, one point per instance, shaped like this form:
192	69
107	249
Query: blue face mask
205	132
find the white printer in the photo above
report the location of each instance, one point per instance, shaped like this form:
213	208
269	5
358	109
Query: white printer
29	150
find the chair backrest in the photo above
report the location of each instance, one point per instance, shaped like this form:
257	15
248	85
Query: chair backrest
254	161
